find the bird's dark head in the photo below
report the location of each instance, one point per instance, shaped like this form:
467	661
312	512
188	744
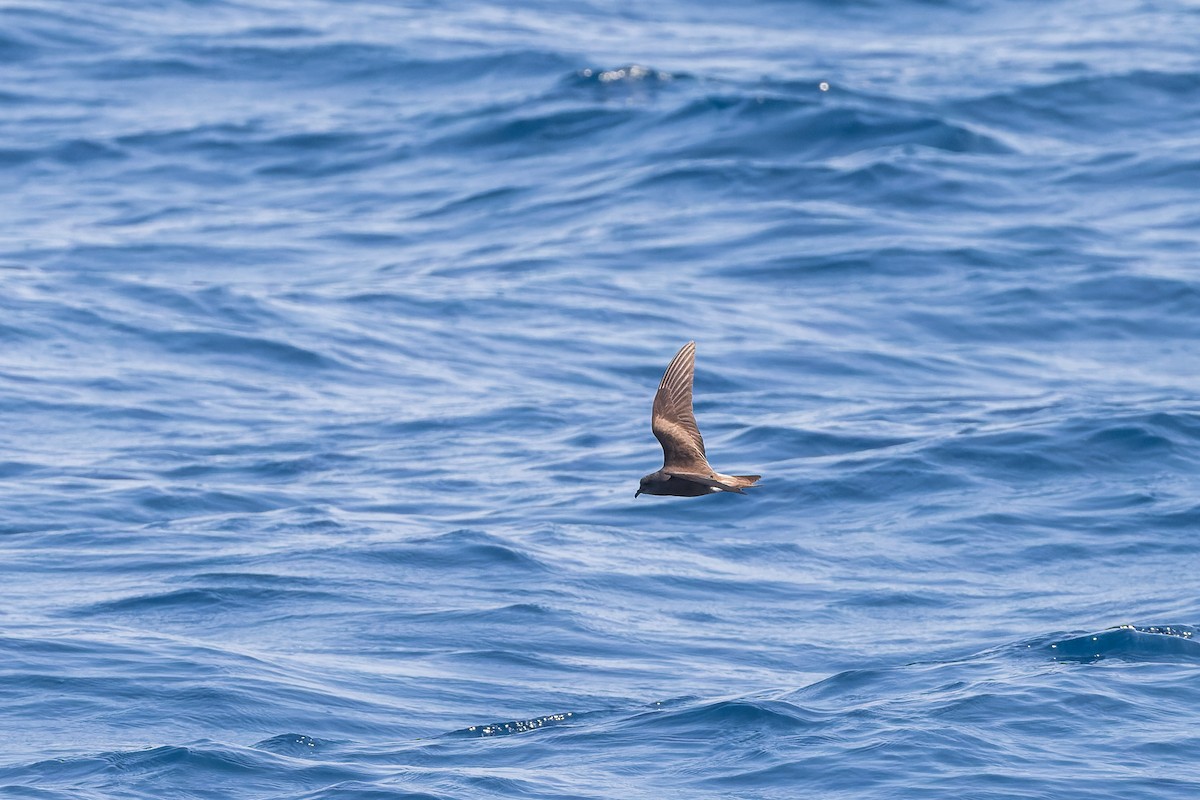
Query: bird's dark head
649	484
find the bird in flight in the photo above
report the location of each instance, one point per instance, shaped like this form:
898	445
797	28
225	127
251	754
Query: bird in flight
685	471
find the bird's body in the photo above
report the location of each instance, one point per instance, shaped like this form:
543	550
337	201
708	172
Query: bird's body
685	471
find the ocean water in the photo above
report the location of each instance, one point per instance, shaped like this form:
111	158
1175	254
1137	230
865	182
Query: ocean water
329	331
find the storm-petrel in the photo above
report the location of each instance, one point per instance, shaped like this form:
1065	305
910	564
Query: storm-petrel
685	471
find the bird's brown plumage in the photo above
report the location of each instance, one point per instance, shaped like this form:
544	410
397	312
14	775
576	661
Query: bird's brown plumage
672	417
685	471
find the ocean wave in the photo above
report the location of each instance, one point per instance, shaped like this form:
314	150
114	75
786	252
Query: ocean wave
1154	643
329	340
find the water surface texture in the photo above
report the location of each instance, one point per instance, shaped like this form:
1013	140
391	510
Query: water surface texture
329	331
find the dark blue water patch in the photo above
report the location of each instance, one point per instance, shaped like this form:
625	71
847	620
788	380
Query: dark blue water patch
680	180
280	32
234	348
283	61
799	443
296	745
308	61
1021	455
522	614
485	202
1177	300
520	419
310	142
331	162
214	305
403	304
696	588
265	581
263	150
71	153
920	183
133	414
158	257
1155	643
17	99
185	501
80	152
381	790
847	684
463	549
524	134
221	768
1043	240
744	717
206	601
1123	441
34	32
221	140
17	156
488	634
883	262
163	67
274	471
1095	107
497	659
877	480
1172	170
889	600
495	69
1102	439
1149	432
16	469
1087	308
15	49
1182	519
794	129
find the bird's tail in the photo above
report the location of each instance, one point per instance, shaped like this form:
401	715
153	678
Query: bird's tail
746	480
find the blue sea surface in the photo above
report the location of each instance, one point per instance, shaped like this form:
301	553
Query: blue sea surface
328	337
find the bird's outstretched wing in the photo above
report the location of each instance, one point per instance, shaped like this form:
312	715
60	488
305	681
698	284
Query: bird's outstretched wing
672	419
